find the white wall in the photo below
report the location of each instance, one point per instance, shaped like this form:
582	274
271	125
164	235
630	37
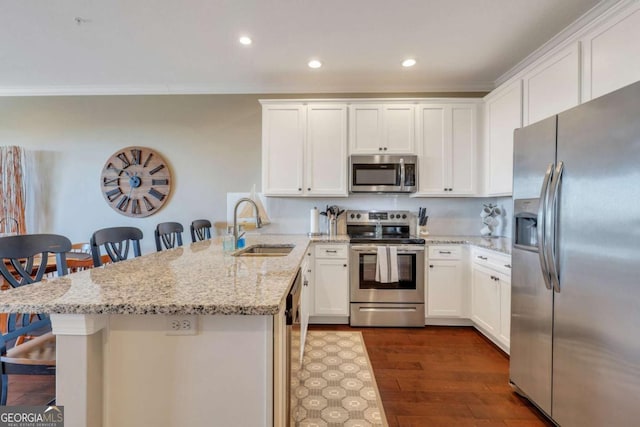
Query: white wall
211	142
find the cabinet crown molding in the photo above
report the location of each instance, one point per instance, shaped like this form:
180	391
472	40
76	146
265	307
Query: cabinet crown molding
348	101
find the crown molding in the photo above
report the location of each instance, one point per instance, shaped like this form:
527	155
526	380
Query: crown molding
77	90
570	34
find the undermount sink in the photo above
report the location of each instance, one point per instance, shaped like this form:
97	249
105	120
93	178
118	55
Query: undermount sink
265	250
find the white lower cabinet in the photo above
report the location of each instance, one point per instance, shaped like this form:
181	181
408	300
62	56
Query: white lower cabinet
331	283
491	295
446	290
485	300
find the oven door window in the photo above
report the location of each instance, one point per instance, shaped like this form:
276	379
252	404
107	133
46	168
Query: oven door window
406	272
376	174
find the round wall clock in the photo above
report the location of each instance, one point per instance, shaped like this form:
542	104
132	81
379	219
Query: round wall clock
136	181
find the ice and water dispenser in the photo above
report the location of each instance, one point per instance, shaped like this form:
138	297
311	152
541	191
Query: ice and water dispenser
526	223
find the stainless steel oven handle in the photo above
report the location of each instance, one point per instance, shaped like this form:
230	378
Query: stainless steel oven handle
374	249
387	309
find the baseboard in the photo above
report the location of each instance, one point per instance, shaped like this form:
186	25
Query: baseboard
329	320
447	321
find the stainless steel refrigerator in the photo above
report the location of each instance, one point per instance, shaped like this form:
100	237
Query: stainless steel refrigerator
575	323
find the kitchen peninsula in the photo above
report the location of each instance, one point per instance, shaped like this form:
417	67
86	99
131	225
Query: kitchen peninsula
119	365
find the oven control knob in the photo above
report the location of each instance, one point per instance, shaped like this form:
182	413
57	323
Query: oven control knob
404	216
352	216
358	216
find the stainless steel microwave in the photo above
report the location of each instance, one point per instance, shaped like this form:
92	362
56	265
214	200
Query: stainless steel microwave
383	173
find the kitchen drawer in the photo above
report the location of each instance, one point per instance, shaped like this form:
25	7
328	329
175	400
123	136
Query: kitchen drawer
445	252
491	259
332	251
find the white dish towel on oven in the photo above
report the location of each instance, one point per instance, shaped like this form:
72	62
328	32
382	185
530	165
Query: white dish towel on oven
387	264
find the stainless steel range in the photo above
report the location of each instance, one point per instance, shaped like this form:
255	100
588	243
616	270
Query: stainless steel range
387	269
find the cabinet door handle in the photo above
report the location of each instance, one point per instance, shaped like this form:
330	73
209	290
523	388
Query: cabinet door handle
306	283
309	189
430	265
508	265
299	189
331	251
385	148
379	148
445	252
484	258
344	265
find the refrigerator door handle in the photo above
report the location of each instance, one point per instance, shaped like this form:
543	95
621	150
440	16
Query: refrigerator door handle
542	211
551	228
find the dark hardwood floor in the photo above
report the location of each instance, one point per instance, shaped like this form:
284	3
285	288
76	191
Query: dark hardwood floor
31	389
443	376
428	377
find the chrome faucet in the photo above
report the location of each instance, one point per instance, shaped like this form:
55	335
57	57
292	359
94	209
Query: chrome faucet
235	218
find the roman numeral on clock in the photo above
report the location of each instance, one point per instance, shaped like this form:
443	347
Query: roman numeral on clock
148	160
123	204
136	156
160	182
156	169
135	206
113	182
147	204
113	194
155	193
125	160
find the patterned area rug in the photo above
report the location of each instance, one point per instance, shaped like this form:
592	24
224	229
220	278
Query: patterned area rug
335	386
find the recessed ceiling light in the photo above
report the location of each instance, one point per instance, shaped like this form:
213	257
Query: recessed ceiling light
245	40
409	62
314	63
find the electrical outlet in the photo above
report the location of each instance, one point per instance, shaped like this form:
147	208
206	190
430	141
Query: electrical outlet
182	325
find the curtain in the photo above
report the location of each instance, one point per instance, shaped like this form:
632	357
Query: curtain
12	190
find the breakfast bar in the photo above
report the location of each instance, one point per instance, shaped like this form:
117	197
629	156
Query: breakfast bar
187	336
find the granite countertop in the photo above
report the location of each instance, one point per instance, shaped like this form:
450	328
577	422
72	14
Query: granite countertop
193	279
324	238
499	244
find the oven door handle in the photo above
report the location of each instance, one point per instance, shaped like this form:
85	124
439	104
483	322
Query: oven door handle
373	249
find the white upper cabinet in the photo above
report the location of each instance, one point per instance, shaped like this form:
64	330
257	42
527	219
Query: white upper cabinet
381	129
612	54
553	85
503	114
304	150
446	140
283	140
326	150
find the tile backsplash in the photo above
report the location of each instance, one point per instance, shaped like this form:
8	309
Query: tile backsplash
447	216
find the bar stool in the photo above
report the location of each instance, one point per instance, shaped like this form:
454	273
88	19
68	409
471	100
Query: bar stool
116	242
27	346
200	230
168	235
